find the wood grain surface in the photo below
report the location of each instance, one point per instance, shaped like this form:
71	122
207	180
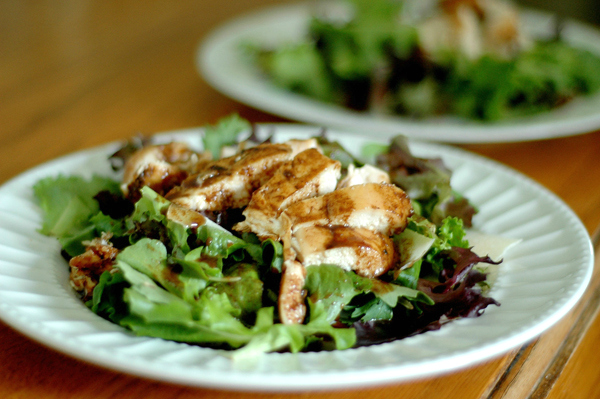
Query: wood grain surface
79	73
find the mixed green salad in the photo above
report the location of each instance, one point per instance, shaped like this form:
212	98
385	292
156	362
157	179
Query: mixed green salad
466	58
203	283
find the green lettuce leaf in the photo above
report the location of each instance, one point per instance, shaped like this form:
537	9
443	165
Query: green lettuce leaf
224	133
149	257
450	233
107	300
298	67
368	309
333	288
68	204
243	287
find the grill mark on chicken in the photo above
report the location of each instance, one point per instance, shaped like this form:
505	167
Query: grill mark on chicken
289	191
309	174
368	253
384	208
371	210
230	182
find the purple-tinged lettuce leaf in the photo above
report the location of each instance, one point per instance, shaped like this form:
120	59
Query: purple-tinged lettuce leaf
426	181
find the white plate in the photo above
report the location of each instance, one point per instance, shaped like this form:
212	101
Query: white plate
222	64
539	281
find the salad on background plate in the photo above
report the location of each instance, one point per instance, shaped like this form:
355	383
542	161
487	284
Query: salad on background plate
469	58
450	71
213	296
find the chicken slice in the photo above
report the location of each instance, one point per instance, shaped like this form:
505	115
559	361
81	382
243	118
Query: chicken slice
474	28
185	217
379	207
308	175
337	227
502	30
160	167
364	174
367	253
298	146
230	182
292	294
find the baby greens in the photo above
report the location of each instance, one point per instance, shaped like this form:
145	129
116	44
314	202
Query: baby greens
204	285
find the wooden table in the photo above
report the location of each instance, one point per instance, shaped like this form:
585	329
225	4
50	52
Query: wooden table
78	73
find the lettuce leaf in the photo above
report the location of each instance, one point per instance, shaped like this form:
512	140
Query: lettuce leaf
149	256
243	287
296	66
341	294
371	308
208	286
449	234
425	181
333	288
68	204
212	318
107	300
224	133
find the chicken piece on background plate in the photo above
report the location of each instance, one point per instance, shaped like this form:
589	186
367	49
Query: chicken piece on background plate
474	28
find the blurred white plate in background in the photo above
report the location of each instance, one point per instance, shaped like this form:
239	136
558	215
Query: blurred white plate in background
222	64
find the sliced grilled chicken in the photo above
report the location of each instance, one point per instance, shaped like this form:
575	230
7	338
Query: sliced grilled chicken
362	175
308	175
230	182
292	294
290	303
160	167
474	28
185	216
349	227
367	253
298	146
379	207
